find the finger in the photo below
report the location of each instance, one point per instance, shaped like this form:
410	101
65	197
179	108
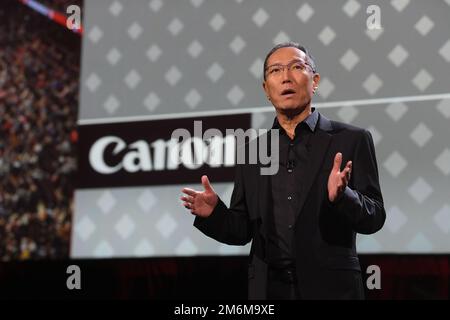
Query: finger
345	177
206	184
189	191
349	164
187	205
345	172
350	168
188	199
337	162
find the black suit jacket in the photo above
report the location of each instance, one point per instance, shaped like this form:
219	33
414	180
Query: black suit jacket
324	236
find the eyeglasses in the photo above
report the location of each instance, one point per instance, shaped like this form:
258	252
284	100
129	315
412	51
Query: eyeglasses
294	66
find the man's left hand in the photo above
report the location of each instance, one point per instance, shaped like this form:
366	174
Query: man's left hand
338	180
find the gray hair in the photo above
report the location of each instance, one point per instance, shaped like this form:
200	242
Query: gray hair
291	44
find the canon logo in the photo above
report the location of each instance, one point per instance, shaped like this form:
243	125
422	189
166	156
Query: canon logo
140	155
209	147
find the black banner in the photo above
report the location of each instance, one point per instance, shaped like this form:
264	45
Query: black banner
137	153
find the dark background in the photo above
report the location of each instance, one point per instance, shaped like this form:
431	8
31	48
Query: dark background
203	278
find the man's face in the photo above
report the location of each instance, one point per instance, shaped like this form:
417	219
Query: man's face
289	85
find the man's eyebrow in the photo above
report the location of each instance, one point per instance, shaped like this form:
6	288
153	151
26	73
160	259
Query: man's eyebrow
293	60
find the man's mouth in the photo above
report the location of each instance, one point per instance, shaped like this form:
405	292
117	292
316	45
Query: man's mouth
286	92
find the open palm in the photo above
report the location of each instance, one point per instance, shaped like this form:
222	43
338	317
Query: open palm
338	180
201	203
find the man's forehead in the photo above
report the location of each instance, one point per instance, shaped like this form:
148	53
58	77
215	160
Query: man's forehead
286	54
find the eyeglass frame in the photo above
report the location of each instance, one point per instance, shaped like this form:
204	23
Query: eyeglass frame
289	66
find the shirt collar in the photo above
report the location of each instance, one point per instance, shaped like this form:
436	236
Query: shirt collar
310	121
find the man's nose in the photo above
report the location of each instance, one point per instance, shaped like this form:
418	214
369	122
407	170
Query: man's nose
286	79
286	76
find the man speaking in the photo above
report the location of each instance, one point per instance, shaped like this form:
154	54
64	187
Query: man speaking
303	219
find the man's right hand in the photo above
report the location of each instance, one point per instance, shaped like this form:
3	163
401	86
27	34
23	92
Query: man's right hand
203	203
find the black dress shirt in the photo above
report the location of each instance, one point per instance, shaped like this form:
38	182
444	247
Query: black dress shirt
285	185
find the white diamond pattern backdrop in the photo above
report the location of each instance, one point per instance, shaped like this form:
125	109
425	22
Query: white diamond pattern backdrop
145	58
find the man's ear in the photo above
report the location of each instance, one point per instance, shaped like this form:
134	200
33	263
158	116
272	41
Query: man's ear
264	85
316	80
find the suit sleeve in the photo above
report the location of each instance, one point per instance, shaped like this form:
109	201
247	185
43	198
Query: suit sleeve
362	205
230	226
